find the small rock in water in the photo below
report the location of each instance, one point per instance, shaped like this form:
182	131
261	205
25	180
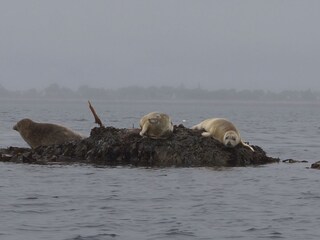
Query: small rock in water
294	161
316	165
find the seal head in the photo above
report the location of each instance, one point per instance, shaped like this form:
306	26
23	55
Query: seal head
231	139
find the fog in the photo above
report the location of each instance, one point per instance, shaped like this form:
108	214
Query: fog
270	44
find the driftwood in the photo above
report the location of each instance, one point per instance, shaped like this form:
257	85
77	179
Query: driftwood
95	115
114	147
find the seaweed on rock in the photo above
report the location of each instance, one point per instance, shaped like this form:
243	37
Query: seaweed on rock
113	147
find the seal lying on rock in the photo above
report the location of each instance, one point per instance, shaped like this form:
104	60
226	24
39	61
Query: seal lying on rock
222	130
119	147
156	125
44	134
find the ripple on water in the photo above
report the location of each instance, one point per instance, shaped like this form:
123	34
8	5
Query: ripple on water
94	237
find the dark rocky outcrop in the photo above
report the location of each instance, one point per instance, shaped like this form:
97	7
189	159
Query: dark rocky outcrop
113	147
316	165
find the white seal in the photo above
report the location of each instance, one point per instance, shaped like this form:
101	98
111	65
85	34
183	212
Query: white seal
222	130
156	125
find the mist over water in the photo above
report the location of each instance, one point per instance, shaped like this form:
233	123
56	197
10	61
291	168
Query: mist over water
85	202
248	44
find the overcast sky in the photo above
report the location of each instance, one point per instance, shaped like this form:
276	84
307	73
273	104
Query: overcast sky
214	44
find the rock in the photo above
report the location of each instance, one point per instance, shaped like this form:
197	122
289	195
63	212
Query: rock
111	146
294	161
316	165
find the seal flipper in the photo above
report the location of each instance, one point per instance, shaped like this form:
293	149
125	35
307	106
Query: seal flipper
247	146
206	134
144	129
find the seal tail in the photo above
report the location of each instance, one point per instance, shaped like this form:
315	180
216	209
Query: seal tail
196	127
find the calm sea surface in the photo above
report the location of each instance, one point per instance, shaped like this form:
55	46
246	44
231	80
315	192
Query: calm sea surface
80	202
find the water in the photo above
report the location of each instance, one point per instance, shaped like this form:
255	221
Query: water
83	202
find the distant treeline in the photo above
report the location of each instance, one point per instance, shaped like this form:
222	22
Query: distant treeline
160	93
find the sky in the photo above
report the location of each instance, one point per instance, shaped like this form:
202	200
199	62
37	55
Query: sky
212	44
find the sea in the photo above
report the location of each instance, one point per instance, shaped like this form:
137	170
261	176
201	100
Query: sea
86	202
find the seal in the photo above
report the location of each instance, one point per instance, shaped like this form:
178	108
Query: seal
156	125
222	130
44	134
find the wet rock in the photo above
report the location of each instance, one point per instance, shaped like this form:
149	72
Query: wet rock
111	146
316	165
294	161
